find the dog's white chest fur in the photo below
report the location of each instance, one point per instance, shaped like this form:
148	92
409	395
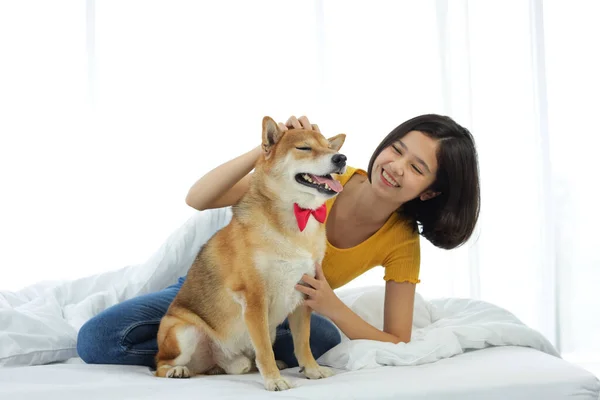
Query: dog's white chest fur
281	269
280	278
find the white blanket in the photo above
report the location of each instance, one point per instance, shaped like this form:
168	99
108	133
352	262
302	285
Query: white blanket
442	328
39	324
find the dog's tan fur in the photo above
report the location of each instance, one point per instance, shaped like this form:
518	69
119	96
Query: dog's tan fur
241	285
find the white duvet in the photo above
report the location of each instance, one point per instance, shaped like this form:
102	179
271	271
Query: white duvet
39	324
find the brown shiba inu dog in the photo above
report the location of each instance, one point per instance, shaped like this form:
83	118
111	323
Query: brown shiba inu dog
241	285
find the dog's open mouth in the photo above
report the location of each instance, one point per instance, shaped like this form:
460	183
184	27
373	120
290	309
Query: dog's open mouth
323	183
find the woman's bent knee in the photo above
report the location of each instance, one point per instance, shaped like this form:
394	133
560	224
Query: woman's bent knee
90	344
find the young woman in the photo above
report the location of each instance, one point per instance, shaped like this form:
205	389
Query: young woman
422	179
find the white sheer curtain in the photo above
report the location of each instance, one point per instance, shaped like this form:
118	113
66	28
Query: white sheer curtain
573	62
110	110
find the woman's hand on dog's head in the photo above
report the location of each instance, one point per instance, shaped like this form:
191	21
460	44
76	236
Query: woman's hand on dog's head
298	123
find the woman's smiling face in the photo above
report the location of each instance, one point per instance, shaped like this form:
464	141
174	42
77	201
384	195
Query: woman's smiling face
406	169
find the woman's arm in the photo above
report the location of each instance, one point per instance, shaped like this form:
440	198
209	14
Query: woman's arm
398	310
225	185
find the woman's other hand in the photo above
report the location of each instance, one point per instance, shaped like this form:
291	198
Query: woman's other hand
298	123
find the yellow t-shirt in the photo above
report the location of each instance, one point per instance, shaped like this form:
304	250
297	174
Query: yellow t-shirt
395	246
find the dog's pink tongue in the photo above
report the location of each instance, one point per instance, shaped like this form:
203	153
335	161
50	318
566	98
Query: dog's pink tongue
332	183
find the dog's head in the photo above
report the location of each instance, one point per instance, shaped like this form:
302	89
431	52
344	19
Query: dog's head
298	164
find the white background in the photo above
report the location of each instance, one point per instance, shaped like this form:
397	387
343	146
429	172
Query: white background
110	110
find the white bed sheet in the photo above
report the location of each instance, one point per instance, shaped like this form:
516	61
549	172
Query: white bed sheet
505	372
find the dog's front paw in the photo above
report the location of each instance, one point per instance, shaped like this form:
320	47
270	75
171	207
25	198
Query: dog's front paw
178	372
317	372
277	384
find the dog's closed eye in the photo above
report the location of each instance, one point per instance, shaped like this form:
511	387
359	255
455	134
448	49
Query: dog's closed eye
304	148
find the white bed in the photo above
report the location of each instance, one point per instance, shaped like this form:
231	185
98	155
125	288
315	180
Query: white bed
493	373
460	348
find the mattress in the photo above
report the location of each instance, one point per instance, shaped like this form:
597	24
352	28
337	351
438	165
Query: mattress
505	372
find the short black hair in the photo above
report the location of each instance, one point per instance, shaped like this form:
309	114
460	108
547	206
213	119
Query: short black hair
449	219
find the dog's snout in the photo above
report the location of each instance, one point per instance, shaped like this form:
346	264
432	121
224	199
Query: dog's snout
339	160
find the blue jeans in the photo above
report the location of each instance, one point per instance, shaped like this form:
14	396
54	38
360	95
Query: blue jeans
126	333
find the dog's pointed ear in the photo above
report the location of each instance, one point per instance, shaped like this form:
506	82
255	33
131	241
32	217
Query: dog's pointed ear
337	141
271	134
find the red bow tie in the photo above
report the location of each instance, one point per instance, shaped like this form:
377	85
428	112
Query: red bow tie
303	214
